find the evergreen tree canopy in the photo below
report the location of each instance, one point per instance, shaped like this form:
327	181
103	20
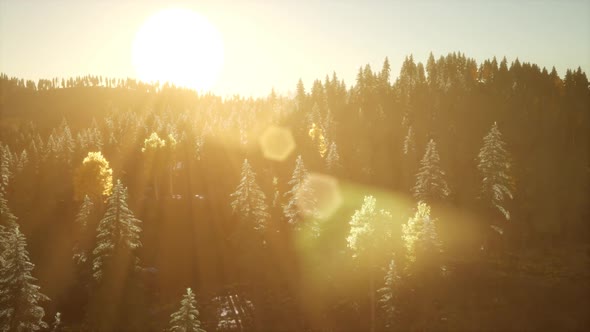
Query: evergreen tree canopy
409	142
19	296
431	184
7	219
186	319
5	172
82	218
249	201
369	228
118	230
388	293
421	240
301	202
333	158
494	166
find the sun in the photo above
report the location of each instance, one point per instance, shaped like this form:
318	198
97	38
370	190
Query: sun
178	46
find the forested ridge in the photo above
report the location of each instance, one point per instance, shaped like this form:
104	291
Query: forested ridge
457	199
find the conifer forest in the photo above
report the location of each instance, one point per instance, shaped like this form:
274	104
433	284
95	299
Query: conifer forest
451	196
282	166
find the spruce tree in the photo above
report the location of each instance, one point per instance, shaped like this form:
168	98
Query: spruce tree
249	201
369	233
83	216
333	158
83	219
494	166
5	172
388	293
19	296
423	269
300	96
186	319
409	143
67	141
409	159
300	198
118	230
23	160
421	240
430	180
7	219
7	222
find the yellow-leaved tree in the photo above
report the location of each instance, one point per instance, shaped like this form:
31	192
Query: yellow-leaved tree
93	178
153	143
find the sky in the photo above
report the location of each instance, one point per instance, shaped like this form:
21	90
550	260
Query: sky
272	44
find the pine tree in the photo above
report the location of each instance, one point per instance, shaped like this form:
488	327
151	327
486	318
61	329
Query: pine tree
83	219
314	117
333	158
421	239
494	166
369	232
249	201
361	229
7	219
423	266
186	319
409	158
67	141
7	222
23	160
430	180
409	142
388	293
385	73
300	198
94	136
5	172
19	296
118	230
300	96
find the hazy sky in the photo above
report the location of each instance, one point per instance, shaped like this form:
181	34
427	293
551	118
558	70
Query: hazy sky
274	43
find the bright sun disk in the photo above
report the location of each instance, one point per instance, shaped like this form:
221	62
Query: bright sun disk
178	46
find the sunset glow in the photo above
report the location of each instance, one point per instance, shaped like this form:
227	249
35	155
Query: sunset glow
180	47
326	166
